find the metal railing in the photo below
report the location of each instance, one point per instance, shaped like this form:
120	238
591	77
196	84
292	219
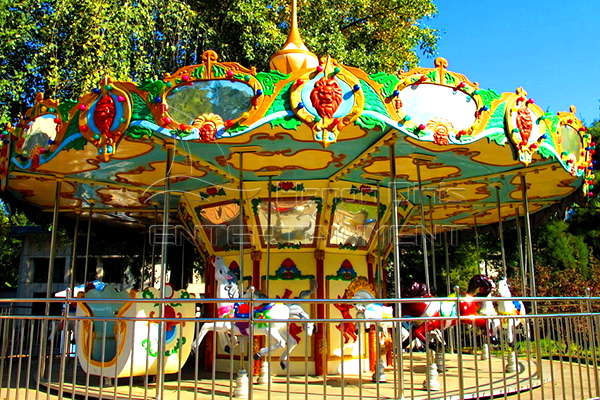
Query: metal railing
552	355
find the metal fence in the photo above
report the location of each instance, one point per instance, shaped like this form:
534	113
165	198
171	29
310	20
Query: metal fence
552	353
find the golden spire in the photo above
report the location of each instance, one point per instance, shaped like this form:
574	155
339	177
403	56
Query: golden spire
294	54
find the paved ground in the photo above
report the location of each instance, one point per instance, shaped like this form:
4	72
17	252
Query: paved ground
472	379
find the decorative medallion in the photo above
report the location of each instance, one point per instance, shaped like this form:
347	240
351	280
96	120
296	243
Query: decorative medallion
104	116
208	126
576	147
327	99
441	129
523	123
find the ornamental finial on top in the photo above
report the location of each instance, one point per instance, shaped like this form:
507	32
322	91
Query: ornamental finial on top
294	54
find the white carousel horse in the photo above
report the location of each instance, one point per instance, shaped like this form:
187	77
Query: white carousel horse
510	307
277	331
479	286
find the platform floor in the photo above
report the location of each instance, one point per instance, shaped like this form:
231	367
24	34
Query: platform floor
561	381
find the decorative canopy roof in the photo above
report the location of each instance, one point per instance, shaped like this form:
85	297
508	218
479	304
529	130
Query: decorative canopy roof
323	134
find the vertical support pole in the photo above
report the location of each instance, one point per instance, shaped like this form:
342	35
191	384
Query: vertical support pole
242	225
53	239
498	186
423	234
536	322
160	378
448	288
87	243
528	239
477	245
65	330
74	254
270	232
379	273
153	257
521	255
321	343
432	228
397	281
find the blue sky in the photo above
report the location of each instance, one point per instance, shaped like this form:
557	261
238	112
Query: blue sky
551	48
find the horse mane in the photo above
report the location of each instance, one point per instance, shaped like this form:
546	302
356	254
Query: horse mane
414	289
480	286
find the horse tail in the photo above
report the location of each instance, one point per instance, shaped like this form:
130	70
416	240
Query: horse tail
297	312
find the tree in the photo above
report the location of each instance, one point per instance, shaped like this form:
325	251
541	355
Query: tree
64	47
10	248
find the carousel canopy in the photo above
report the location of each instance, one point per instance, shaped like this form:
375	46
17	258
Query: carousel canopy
313	138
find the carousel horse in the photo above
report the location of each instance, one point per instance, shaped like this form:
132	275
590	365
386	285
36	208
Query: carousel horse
479	286
510	307
278	332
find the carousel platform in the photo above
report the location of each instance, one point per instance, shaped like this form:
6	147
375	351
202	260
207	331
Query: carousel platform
479	381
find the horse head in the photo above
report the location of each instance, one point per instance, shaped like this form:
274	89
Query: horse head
504	288
480	286
414	289
222	273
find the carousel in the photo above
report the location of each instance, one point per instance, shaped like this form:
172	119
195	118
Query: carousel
297	182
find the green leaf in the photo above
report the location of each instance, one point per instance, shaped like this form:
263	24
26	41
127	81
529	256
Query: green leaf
77	144
545	152
488	96
268	80
286	122
388	82
138	132
372	100
497	118
369	123
218	71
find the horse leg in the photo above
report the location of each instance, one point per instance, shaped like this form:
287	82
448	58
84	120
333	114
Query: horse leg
275	336
291	344
203	331
420	331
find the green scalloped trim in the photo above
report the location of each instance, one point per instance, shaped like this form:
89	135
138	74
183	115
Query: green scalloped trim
237	128
77	144
334	203
140	110
388	82
340	278
348	247
278	278
286	122
138	132
497	118
73	126
554	121
382	208
488	96
154	88
319	202
545	152
287	245
499	137
255	204
64	108
282	101
370	123
268	80
372	100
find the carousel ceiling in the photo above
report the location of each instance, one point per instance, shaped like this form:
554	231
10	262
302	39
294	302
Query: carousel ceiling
317	138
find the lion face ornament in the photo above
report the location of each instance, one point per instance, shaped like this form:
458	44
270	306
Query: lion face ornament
326	97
